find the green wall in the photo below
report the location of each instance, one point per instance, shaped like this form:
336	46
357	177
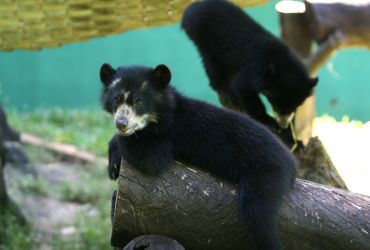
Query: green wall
68	76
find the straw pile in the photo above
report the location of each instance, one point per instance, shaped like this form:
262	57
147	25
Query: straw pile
36	24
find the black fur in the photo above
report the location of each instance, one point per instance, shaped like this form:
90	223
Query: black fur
243	60
226	143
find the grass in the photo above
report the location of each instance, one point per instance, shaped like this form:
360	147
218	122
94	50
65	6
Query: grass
29	184
92	232
92	225
13	235
87	129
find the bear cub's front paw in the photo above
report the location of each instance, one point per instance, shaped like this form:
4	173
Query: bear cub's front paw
114	165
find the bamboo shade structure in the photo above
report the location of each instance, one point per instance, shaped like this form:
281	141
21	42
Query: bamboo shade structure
37	24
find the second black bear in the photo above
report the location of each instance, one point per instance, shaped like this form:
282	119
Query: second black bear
157	125
243	60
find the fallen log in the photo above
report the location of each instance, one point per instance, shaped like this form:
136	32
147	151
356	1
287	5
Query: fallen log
201	212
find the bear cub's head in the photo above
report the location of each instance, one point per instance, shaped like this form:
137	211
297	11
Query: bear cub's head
134	95
292	87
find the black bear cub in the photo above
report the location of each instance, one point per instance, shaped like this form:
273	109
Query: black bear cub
243	60
157	125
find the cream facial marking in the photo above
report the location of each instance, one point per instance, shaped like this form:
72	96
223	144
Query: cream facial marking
284	120
126	95
143	85
115	81
134	122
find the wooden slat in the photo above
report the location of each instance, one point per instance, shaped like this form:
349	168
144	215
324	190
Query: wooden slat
36	24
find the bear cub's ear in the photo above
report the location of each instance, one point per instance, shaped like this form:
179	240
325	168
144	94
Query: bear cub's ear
106	74
162	75
314	81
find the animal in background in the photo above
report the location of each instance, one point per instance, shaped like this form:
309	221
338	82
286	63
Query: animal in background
243	60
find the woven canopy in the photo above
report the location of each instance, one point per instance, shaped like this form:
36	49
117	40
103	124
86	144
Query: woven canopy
36	24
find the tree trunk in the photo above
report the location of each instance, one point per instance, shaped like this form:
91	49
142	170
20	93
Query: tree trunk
6	204
202	212
3	195
328	24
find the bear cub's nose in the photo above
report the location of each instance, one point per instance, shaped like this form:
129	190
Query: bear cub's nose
121	123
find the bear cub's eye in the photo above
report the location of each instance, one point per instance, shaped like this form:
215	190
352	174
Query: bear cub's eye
117	101
138	103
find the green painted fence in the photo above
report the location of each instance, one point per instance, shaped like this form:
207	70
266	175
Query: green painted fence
68	76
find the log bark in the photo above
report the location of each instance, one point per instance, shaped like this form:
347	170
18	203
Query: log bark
202	212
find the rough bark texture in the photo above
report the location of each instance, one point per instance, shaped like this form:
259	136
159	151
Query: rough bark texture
202	212
324	52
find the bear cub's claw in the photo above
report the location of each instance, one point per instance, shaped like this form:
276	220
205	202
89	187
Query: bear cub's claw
114	165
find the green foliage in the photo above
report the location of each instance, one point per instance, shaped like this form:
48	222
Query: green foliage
93	227
14	236
87	129
29	184
93	232
92	185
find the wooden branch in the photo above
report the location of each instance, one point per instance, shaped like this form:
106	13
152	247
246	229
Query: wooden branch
295	33
202	212
67	150
326	49
351	18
